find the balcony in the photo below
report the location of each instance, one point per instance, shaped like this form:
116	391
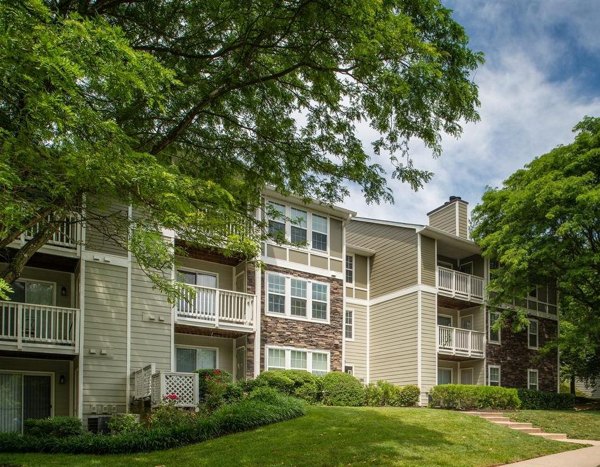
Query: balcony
209	307
460	342
39	328
459	285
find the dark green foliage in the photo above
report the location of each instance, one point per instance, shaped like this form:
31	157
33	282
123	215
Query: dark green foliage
216	388
167	415
540	400
298	383
124	423
57	426
244	415
342	389
383	393
469	397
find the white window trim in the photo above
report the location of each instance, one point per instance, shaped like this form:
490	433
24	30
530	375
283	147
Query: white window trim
287	221
198	271
499	374
39	281
466	370
537	378
351	366
351	310
182	346
472	321
445	368
444	264
288	357
288	299
350	284
447	316
489	330
537	335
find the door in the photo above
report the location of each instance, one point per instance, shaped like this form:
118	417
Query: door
466	322
22	397
444	375
240	363
204	304
466	376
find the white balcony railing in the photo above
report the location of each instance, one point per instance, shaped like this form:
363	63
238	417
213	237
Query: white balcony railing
460	285
217	307
67	235
39	325
461	342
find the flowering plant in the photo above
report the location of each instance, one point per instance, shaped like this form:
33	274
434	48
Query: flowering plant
171	397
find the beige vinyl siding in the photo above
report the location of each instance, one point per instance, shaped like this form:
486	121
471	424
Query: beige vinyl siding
428	261
95	240
224	271
428	343
225	346
58	367
104	376
393	340
394	266
444	219
360	271
450	312
478	370
60	279
150	339
463	222
589	391
336	237
477	260
356	350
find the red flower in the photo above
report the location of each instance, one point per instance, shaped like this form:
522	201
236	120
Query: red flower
171	397
217	372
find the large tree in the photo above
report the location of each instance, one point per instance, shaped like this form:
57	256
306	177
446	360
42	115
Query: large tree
543	226
186	109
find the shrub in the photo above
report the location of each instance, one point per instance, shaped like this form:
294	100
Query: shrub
276	379
342	389
383	393
466	397
298	383
167	415
214	389
536	400
57	426
124	423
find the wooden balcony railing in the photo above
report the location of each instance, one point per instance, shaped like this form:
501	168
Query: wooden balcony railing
460	342
67	235
460	285
217	307
27	324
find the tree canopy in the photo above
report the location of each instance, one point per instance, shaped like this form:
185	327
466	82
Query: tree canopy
543	226
186	109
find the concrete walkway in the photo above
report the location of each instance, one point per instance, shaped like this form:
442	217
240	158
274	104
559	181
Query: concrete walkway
585	457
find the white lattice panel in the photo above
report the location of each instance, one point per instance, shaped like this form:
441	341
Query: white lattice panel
180	388
142	382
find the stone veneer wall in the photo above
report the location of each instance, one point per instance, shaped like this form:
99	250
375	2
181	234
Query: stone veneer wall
306	334
515	358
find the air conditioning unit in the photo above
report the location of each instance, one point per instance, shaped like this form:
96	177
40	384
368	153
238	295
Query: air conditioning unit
98	424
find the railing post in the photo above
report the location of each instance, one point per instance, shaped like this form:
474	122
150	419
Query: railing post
470	343
76	327
217	307
453	340
19	326
469	281
453	283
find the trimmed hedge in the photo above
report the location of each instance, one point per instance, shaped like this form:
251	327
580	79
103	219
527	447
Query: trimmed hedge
539	400
249	413
57	426
297	383
469	397
342	389
382	394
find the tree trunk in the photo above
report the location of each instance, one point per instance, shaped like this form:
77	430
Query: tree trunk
573	385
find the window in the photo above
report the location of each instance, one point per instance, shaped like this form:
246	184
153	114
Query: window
493	375
297	298
190	359
276	216
532	334
202	304
319	232
444	320
349	324
493	335
349	269
299	228
287	358
276	288
349	369
532	380
444	376
37	292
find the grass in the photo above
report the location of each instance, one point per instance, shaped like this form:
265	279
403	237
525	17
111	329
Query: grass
342	436
577	425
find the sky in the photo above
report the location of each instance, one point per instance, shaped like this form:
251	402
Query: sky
541	76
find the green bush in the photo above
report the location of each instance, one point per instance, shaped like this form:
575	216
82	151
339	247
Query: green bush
124	423
298	383
469	397
168	415
382	394
249	413
57	426
276	379
342	389
539	400
215	388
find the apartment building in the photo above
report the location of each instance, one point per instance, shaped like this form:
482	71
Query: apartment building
87	334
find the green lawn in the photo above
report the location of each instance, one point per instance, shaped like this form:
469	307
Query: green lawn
343	436
578	425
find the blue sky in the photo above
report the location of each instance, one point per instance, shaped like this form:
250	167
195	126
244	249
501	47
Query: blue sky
541	76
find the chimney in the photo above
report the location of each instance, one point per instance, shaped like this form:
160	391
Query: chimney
451	217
